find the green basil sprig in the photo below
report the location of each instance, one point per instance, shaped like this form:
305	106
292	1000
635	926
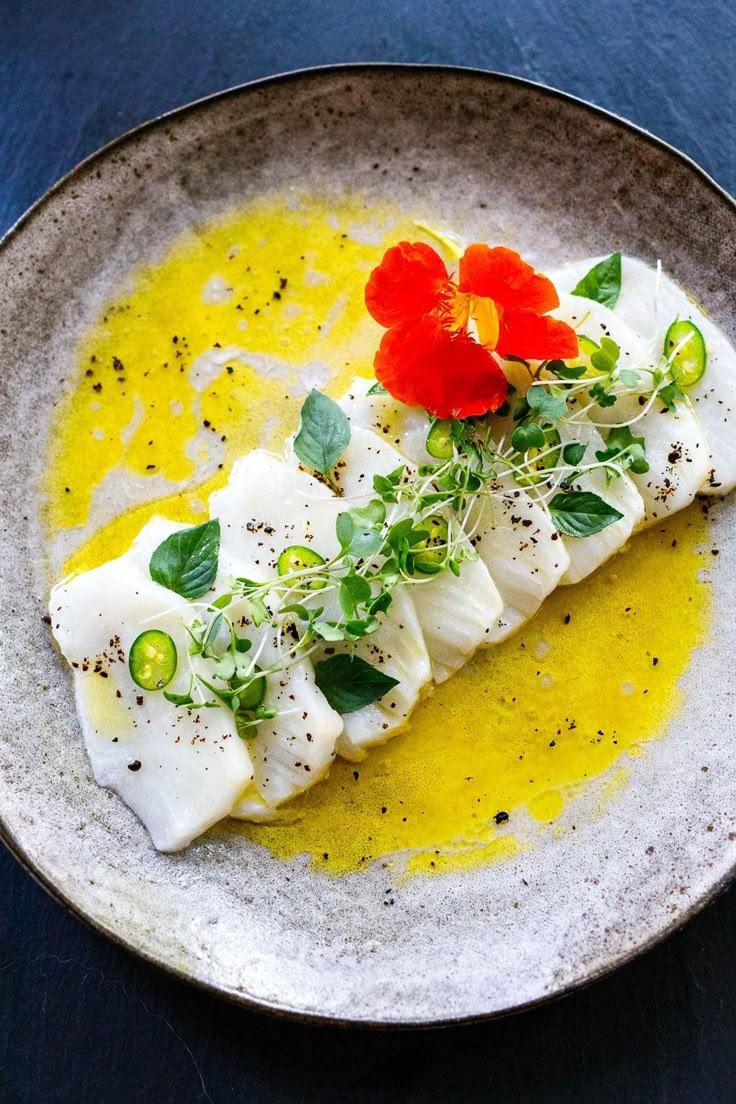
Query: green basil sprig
186	562
349	683
581	513
323	435
603	282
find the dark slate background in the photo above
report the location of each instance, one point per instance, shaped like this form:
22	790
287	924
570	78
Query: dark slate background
82	1022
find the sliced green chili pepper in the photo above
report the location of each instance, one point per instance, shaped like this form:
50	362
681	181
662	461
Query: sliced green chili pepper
428	558
688	364
439	441
296	558
152	660
253	692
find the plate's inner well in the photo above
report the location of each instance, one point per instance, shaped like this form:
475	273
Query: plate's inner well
210	353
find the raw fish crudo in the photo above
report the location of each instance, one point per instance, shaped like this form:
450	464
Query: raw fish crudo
367	571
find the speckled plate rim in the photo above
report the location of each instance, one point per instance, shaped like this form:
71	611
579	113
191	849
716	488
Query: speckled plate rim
6	835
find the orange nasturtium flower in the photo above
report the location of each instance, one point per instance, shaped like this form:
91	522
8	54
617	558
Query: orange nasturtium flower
429	357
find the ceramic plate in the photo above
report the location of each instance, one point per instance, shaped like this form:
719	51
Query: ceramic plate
569	181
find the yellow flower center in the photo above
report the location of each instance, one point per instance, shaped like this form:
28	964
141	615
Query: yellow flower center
485	315
465	307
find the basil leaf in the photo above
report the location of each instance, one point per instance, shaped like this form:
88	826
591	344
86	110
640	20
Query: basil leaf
323	435
377	389
581	513
546	404
603	282
349	683
186	562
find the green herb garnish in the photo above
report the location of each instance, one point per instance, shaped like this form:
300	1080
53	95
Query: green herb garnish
323	435
186	562
626	450
546	403
349	683
581	513
603	282
152	660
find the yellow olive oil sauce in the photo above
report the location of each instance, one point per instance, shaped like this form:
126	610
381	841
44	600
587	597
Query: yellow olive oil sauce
208	354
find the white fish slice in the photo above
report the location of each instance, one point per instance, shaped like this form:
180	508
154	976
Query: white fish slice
296	748
515	538
512	533
179	771
266	506
404	427
676	450
457	613
270	504
397	649
649	305
588	553
293	750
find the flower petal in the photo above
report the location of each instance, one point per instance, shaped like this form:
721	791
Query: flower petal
536	337
502	275
410	281
422	364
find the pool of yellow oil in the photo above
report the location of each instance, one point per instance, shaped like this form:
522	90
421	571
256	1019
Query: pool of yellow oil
525	727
